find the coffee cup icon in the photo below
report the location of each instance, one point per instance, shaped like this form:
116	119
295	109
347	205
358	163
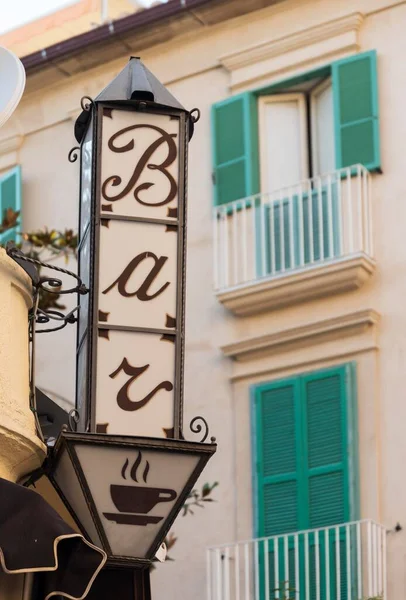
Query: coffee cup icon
139	499
134	502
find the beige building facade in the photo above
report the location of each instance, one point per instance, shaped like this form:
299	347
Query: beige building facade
295	329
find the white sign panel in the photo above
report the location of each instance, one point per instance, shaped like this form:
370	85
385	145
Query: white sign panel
135	383
140	164
138	274
136	494
137	278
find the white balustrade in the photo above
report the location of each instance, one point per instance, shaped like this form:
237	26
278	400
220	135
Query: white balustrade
323	219
343	562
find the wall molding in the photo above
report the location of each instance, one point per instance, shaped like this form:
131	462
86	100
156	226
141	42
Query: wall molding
9	148
295	338
298	40
327	40
316	281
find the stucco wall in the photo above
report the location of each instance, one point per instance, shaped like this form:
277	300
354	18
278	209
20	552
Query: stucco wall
20	449
190	67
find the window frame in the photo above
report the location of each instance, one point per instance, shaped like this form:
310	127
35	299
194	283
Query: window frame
314	92
263	100
15	171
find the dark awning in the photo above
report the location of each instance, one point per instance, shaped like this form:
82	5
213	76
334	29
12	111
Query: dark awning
34	538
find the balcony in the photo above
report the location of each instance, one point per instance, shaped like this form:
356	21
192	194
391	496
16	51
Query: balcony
343	562
310	240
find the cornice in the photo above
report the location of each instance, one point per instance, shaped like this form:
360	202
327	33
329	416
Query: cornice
318	332
298	40
10	144
287	289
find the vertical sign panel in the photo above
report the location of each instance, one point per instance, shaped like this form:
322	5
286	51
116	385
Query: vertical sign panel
138	281
140	164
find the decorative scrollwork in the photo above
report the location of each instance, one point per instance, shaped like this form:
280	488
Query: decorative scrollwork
86	105
73	154
43	317
52	282
73	419
196	426
50	285
195	115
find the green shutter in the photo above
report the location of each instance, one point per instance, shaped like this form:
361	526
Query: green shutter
306	443
10	197
326	457
356	116
235	148
277	458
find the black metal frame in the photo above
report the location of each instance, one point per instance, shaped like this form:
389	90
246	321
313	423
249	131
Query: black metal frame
67	442
87	420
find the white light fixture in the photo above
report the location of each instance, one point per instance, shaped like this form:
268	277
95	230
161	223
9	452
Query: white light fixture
12	83
124	493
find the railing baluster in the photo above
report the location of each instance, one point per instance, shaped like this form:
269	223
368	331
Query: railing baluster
307	578
272	235
330	218
311	224
338	565
219	575
317	563
301	228
365	214
369	542
359	208
208	574
375	557
226	561
359	560
254	237
370	214
348	560
320	217
327	553
263	251
276	565
226	264
282	233
286	556
244	242
291	232
237	572
256	569
379	557
266	560
350	212
216	257
340	224
297	582
235	244
247	572
384	558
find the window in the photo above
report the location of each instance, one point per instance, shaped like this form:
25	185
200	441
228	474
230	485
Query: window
324	120
305	432
10	204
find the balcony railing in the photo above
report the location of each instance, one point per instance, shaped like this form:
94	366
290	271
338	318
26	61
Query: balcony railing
323	219
343	562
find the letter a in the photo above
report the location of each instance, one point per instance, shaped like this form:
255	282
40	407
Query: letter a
142	291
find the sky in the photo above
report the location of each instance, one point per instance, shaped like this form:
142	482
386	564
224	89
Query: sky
18	12
14	13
